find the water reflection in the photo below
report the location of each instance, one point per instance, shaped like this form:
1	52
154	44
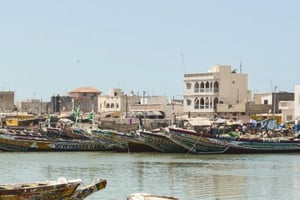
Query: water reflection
188	177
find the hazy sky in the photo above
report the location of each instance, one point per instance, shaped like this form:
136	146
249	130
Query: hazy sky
52	47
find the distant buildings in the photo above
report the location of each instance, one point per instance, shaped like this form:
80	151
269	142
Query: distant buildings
220	92
118	104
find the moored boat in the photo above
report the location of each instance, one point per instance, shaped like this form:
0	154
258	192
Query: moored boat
130	141
50	190
238	144
259	145
161	142
9	142
194	141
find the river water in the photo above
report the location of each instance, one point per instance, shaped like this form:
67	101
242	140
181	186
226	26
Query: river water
187	177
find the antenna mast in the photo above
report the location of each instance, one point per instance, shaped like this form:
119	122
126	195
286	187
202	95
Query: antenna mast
241	67
182	60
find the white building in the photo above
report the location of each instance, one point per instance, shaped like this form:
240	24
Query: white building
297	102
116	102
220	91
287	110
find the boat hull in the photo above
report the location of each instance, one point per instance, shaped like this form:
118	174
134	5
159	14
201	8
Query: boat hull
259	146
42	190
13	143
51	190
194	142
161	142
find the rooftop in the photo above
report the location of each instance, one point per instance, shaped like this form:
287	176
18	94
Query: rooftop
85	90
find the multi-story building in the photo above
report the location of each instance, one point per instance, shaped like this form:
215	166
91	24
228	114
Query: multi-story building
33	106
272	100
86	97
61	104
219	92
116	103
7	99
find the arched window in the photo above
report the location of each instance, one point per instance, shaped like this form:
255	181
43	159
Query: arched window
210	102
196	89
202	87
216	86
216	101
196	103
112	105
201	103
117	105
206	103
207	87
107	105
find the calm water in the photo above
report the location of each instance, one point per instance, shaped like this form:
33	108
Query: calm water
188	177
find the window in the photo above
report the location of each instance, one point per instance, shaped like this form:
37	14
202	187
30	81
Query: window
201	103
202	87
196	89
216	101
207	87
188	86
216	87
206	102
188	102
266	102
196	103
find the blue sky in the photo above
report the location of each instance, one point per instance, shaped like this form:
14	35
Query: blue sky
52	47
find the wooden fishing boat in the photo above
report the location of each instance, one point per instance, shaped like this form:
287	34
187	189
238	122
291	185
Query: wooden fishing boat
161	142
194	141
146	196
20	120
9	142
259	145
83	191
50	190
130	141
109	137
136	145
243	144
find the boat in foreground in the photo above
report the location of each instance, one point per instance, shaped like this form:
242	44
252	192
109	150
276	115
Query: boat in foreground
50	190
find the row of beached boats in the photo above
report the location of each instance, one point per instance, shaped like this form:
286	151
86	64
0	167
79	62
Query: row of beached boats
166	140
